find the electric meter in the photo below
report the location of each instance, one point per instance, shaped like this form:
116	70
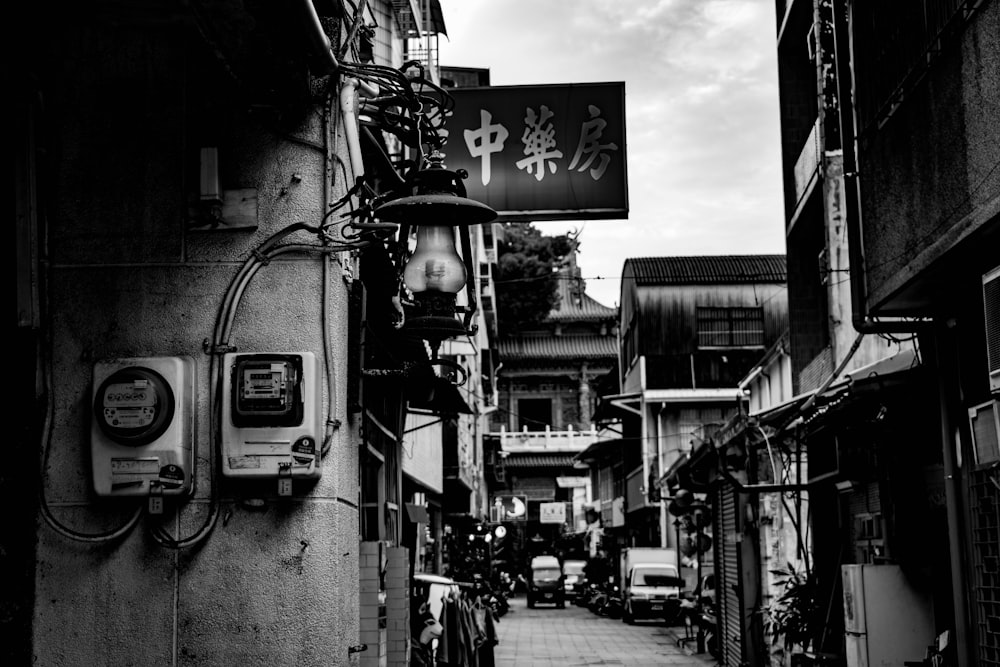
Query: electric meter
142	426
271	422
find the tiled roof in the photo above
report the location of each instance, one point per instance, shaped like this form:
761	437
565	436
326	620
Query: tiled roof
575	309
523	460
557	347
707	269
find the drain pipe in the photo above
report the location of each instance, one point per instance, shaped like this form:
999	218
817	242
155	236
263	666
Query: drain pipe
952	470
319	41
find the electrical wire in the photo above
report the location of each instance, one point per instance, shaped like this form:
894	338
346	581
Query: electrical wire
359	11
46	510
332	421
45	353
770	455
260	257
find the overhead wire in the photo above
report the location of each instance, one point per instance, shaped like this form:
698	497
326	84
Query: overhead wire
45	355
261	256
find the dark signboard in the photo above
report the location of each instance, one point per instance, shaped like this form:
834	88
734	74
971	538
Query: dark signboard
542	152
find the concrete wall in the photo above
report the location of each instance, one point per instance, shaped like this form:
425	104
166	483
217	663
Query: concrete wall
929	173
276	582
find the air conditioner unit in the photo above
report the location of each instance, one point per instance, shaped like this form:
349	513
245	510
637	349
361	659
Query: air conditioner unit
991	306
984	423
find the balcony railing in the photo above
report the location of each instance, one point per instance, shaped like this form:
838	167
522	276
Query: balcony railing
568	440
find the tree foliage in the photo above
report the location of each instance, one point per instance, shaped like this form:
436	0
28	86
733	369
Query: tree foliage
528	279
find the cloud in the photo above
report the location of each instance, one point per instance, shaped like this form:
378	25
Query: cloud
701	99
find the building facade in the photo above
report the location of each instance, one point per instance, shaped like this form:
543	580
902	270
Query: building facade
212	321
692	328
547	392
890	435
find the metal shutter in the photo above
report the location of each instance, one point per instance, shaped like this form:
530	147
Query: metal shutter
727	577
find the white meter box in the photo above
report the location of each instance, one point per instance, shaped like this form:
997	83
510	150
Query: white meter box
142	426
271	415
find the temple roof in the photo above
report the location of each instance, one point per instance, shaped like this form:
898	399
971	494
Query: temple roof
574	303
557	347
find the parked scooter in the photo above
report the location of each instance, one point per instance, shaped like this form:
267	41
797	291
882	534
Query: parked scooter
586	595
597	598
606	601
613	606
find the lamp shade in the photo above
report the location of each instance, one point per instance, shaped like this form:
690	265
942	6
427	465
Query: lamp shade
435	264
435	272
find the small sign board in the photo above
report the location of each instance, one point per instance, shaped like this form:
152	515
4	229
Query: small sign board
552	513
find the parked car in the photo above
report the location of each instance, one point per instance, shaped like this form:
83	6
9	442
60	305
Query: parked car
545	582
574	579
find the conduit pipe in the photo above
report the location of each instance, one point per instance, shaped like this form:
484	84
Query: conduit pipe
349	92
319	41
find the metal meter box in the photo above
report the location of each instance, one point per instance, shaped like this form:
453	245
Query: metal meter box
142	426
271	424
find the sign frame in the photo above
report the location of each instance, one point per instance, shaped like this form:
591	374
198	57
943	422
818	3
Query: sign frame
542	152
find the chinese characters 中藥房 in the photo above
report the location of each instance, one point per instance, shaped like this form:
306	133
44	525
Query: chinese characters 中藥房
540	145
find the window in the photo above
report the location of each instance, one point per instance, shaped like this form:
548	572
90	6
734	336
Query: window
730	327
534	414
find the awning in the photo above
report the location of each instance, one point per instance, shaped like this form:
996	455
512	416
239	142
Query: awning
618	405
526	460
444	398
692	470
670	478
602	449
615	406
811	407
875	377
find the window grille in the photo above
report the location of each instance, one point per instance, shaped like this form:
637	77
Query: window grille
730	327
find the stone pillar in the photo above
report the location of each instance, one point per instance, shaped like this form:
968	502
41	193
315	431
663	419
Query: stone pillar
586	413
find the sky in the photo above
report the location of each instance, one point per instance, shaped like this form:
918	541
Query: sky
701	108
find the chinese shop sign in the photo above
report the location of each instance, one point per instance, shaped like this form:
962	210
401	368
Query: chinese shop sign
552	152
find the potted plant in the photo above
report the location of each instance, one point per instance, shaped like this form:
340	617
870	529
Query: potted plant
792	618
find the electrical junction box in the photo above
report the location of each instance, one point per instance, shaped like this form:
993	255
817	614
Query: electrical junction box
142	426
271	416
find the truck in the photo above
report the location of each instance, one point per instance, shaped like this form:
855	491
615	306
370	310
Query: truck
650	584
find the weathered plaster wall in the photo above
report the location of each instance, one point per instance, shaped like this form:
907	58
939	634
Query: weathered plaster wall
929	174
276	582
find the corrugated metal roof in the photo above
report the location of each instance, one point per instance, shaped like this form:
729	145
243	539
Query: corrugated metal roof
557	347
524	460
707	269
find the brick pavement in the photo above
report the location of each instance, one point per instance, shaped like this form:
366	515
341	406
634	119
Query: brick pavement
547	636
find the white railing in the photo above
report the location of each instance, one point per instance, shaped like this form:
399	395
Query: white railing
568	440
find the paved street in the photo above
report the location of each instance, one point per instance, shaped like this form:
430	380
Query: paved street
574	636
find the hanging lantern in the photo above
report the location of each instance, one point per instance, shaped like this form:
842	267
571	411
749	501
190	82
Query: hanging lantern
435	272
